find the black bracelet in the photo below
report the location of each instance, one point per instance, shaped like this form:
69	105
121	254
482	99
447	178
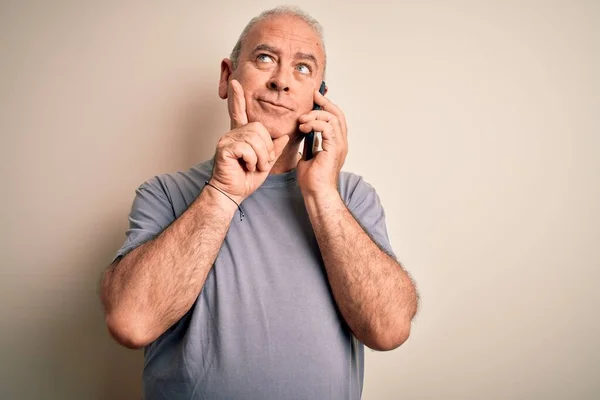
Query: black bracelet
242	215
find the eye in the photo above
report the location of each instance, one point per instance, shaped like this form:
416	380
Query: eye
304	69
264	58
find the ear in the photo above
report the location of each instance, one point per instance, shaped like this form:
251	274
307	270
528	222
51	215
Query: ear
226	75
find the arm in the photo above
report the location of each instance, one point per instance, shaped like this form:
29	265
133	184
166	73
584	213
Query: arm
374	294
154	285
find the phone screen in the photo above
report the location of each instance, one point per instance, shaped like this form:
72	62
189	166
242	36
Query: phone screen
309	139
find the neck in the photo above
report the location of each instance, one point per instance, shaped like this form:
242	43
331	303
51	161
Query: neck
288	160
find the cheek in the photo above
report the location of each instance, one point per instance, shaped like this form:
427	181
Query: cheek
251	78
308	102
253	110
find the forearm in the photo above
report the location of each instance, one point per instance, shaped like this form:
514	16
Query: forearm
152	287
375	295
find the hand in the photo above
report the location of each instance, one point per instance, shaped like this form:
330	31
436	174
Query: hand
319	176
245	155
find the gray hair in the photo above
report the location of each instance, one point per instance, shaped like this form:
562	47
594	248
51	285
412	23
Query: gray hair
277	11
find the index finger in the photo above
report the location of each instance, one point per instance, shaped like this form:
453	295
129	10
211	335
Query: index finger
327	105
236	104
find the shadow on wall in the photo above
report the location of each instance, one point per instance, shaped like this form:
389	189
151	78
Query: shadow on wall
89	357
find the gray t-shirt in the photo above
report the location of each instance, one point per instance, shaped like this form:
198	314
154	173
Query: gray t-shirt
265	325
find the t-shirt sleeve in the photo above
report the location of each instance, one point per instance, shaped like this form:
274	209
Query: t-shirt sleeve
365	205
151	212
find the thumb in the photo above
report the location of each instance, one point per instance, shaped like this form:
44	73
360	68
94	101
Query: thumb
279	144
236	104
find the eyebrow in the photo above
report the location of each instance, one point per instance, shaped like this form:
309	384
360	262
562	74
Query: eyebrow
298	55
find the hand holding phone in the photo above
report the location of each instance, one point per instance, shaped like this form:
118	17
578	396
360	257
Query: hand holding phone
309	139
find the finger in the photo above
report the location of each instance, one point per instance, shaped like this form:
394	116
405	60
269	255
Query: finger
315	125
328	134
236	104
322	116
260	149
327	105
316	114
331	139
245	152
264	135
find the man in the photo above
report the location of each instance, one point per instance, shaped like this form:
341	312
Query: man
278	302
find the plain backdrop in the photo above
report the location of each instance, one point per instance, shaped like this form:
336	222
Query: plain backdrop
478	122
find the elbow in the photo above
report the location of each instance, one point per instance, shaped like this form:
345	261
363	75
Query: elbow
127	332
126	328
389	340
396	340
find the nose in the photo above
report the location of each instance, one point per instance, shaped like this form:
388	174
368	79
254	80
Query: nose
278	81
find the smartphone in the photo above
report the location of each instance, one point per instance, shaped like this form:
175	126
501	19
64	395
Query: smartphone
309	139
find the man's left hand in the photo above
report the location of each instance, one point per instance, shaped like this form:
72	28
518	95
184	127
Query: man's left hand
319	176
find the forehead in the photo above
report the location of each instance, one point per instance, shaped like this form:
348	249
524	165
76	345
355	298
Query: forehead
287	32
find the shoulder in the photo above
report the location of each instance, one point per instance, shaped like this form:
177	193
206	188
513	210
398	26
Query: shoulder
180	184
354	189
365	205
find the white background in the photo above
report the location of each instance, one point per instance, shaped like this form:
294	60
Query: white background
477	122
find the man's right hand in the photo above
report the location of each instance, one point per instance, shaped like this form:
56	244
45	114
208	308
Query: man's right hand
245	155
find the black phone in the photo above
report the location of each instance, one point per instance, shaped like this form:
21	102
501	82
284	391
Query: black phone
309	139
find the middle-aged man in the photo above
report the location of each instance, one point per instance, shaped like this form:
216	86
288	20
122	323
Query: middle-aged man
275	303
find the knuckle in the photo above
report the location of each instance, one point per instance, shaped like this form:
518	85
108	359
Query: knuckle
251	138
232	133
224	141
261	128
254	126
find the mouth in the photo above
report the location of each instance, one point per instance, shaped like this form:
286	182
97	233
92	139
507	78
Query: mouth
274	105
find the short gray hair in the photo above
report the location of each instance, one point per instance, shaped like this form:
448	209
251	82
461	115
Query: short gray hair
277	11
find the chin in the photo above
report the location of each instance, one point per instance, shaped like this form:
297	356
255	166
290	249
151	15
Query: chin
278	128
277	132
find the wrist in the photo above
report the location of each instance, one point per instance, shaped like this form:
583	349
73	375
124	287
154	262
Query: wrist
215	198
218	187
323	201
